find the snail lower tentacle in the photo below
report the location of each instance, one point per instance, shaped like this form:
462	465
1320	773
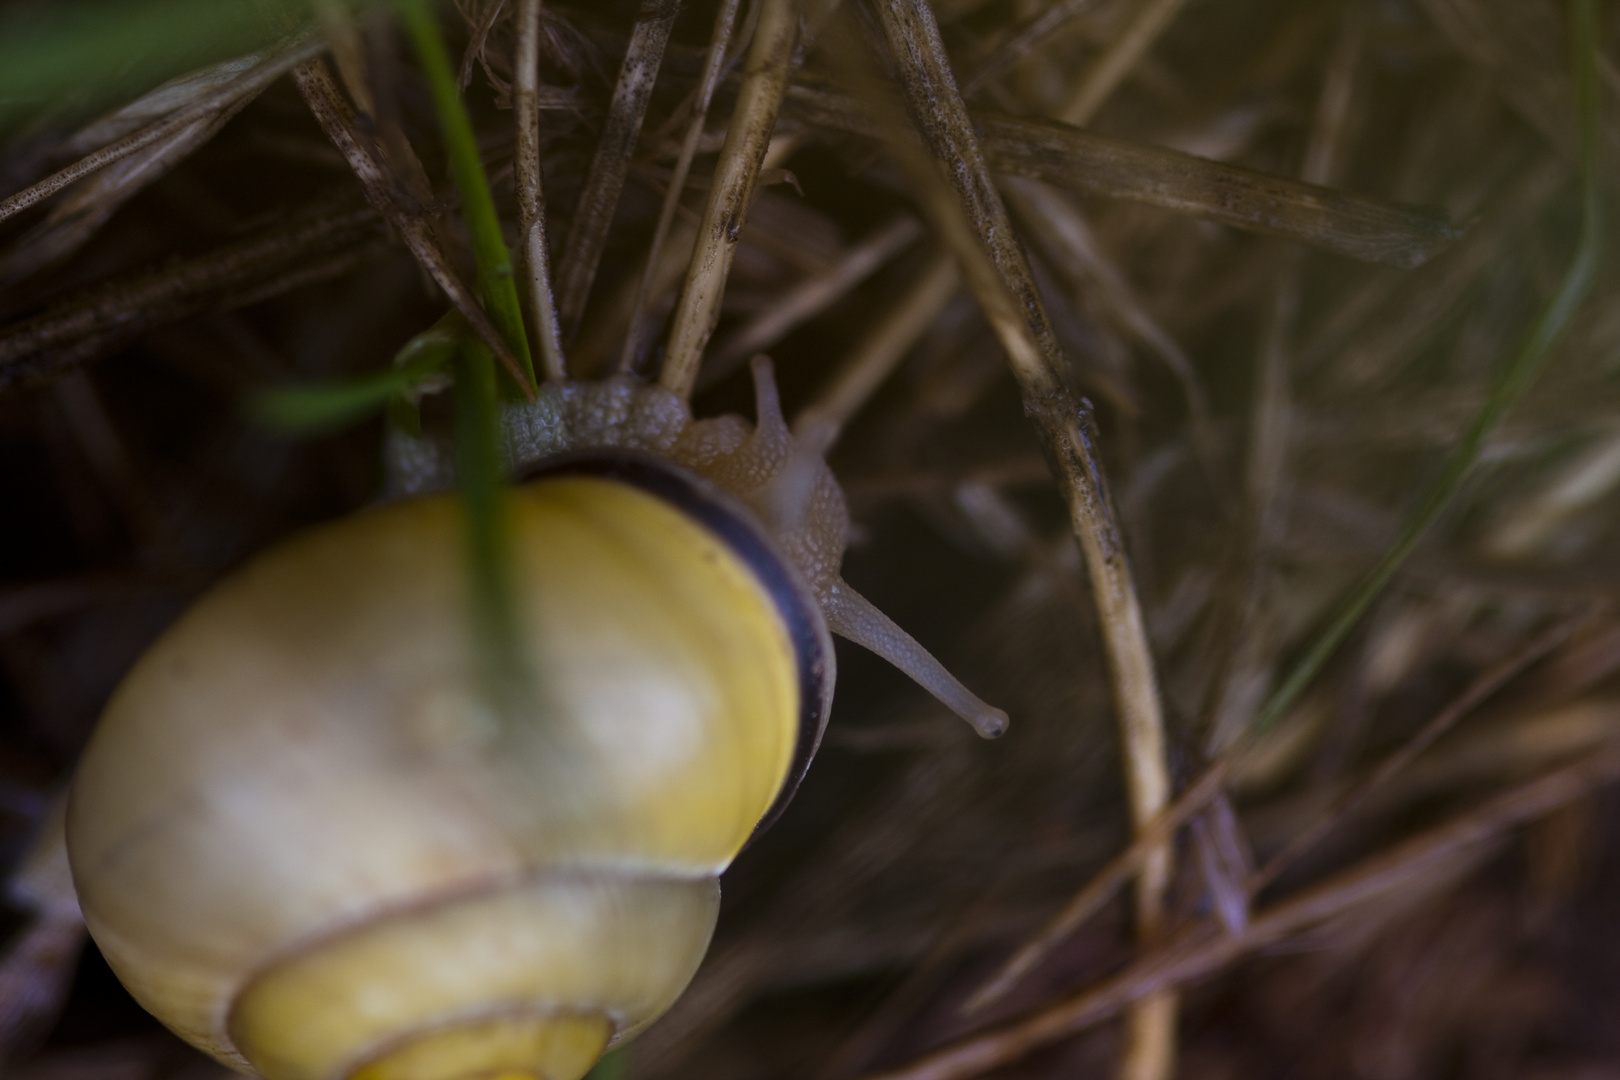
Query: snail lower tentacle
851	615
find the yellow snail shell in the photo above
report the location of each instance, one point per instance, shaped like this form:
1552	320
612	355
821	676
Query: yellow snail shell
306	845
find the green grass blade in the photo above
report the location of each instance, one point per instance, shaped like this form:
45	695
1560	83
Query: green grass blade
481	472
495	280
1514	381
320	407
615	1065
107	52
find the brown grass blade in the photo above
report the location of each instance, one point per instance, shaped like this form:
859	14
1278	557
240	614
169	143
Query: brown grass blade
1486	684
811	297
1102	886
100	319
714	65
941	116
877	354
1038	29
1354	226
599	197
1121	57
107	177
1197	954
731	192
178	104
542	303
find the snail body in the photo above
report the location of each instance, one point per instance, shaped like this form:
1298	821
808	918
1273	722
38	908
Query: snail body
306	844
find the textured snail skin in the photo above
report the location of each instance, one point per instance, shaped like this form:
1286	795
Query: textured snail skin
303	842
783	481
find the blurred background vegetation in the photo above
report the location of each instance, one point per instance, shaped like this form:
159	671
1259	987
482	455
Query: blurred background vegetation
1278	375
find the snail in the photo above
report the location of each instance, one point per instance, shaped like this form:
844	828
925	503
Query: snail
306	844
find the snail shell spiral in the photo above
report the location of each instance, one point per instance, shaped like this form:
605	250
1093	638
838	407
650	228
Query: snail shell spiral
304	841
304	844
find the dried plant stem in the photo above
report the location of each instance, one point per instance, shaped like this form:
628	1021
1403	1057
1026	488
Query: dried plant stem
1477	692
88	324
335	118
1515	379
342	34
1122	56
1247	668
1010	298
1196	954
229	98
1037	31
731	191
714	64
604	329
476	43
94	162
936	108
531	200
599	197
1102	886
877	354
808	299
1071	442
1357	227
1065	237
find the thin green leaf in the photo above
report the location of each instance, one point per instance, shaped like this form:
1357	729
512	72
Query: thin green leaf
480	469
1520	373
312	409
495	280
615	1065
104	52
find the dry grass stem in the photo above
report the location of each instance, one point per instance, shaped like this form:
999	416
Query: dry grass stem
193	109
481	25
91	324
714	65
1484	686
937	110
612	323
342	34
1039	29
1101	888
604	183
536	252
1060	233
1118	61
731	191
1067	431
876	355
338	121
1199	954
1366	229
98	184
1520	48
811	297
1526	529
1370	230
